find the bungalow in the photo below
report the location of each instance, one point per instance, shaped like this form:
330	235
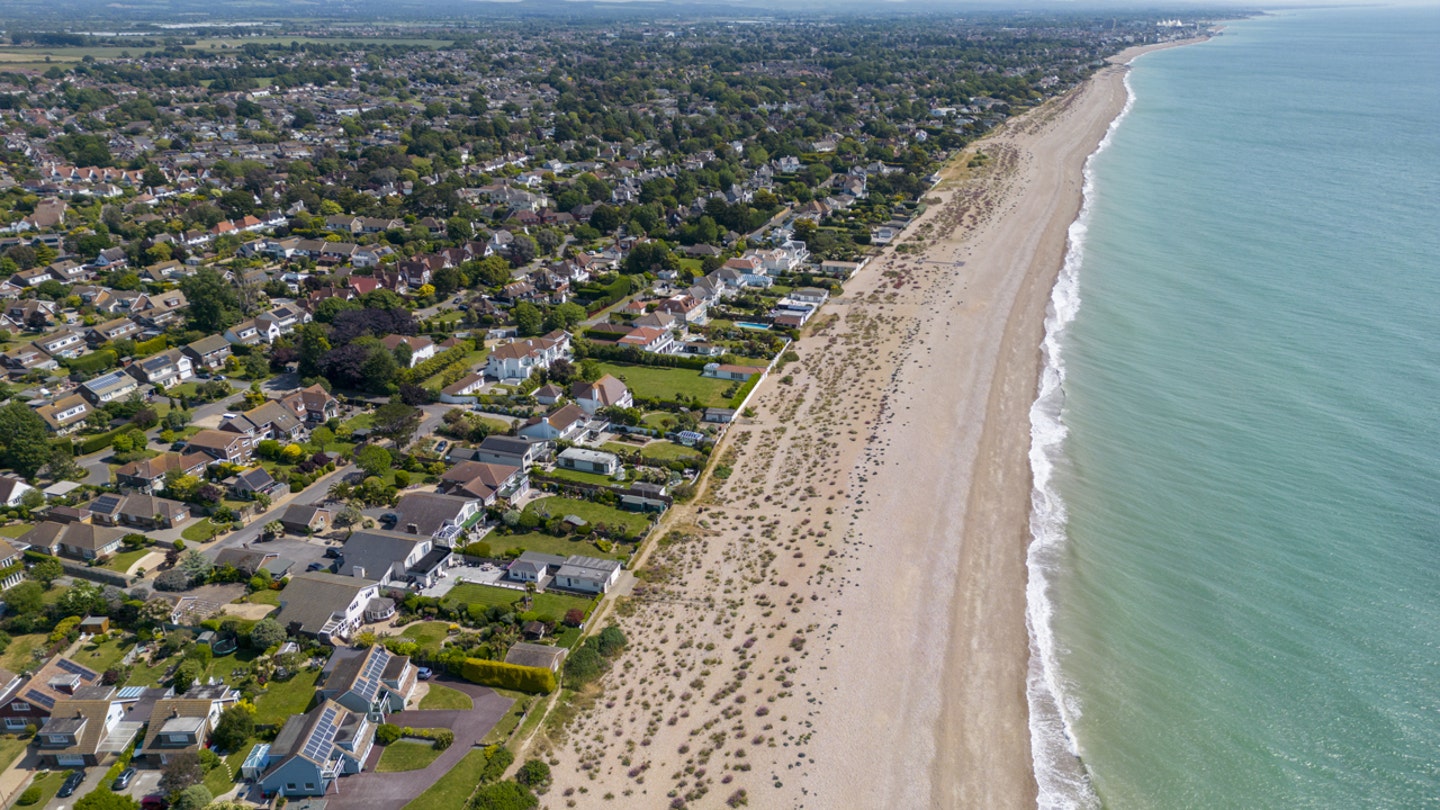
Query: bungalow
488	482
372	681
421	348
139	511
549	394
306	519
566	423
65	415
62	344
430	514
582	459
313	750
222	445
255	482
509	451
80	541
532	566
12	490
147	476
85	729
330	606
28	701
606	392
525	654
463	390
209	352
586	574
394	558
181	725
726	371
164	369
108	387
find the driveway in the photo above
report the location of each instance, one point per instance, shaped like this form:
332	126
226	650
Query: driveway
391	791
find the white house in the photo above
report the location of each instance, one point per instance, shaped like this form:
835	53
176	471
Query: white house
516	359
606	392
421	348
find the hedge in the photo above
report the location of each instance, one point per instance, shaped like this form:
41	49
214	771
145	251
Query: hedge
434	365
500	675
155	345
638	357
100	441
94	362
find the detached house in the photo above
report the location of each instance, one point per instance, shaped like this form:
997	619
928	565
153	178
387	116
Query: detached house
313	750
443	517
65	415
183	724
515	360
85	729
393	558
80	541
312	405
488	482
209	352
164	369
28	701
139	511
421	348
222	445
566	423
117	329
147	476
269	421
372	681
62	344
330	607
109	387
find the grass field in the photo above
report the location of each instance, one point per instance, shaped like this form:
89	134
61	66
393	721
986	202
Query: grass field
670	451
49	783
406	755
585	477
501	732
14	530
266	597
591	512
653	382
550	604
542	543
454	788
19	656
443	697
10	750
284	698
106	654
121	562
429	635
201	531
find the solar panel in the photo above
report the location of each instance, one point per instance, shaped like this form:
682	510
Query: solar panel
75	669
128	692
369	684
322	741
40	699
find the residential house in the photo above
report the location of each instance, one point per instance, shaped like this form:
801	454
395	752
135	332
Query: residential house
27	358
606	392
222	445
246	332
28	701
80	541
532	566
109	387
566	423
443	517
516	359
330	606
421	348
315	749
313	405
182	724
372	681
147	476
463	390
85	729
394	558
583	459
209	352
163	370
488	482
12	573
546	656
65	415
649	339
549	394
306	519
726	371
117	329
687	308
271	420
509	451
138	510
62	345
586	574
255	482
12	490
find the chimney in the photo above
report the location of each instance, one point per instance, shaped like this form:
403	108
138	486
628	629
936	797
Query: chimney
412	528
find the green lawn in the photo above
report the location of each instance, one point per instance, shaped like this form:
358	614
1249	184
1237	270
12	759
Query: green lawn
14	530
11	748
584	477
443	697
501	732
201	531
357	422
429	635
654	382
18	656
121	562
222	666
670	451
106	654
593	513
49	784
265	597
542	543
284	698
406	755
142	674
454	788
550	604
218	779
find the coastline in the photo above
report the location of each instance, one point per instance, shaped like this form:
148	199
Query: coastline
833	624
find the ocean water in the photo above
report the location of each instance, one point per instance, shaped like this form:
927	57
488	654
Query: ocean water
1235	596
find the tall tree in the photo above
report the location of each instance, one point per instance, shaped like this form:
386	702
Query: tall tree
397	422
214	304
24	441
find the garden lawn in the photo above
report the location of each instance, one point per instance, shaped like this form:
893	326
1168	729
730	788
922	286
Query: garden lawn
670	451
501	732
49	784
284	698
656	420
406	755
104	655
265	597
542	543
10	750
591	512
201	531
218	779
121	562
14	530
429	635
579	477
19	655
443	697
551	604
655	382
454	788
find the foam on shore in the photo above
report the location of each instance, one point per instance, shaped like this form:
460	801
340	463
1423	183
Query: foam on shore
1059	768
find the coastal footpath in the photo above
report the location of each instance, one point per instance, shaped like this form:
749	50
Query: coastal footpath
838	619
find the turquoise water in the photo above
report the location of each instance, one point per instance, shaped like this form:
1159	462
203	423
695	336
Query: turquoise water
1239	601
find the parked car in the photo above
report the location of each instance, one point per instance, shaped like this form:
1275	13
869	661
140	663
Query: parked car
72	783
154	802
314	566
424	673
332	553
123	780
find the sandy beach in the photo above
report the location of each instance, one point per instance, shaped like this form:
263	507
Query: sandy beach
839	619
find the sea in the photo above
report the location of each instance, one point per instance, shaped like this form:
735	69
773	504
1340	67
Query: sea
1235	565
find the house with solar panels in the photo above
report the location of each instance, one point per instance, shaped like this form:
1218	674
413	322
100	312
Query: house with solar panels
313	750
28	701
374	681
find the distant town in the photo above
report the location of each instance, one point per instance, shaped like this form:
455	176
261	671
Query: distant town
347	371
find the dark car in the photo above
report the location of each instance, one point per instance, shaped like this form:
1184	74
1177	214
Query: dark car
315	566
72	783
123	780
332	553
154	802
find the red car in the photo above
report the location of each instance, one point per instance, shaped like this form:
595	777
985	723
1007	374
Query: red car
154	802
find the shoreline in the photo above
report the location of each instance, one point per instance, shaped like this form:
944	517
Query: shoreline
833	624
